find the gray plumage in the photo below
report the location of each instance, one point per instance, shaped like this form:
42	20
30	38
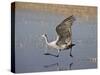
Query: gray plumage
64	38
64	31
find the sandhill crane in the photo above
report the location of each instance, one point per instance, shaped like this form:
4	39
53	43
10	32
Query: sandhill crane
64	38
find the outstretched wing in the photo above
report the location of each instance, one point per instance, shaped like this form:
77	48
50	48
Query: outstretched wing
64	31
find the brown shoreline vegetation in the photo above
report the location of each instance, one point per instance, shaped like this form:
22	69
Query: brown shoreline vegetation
80	11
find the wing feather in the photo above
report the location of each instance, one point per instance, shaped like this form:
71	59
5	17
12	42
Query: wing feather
64	31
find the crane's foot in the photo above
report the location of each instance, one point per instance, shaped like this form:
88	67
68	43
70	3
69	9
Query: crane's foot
71	55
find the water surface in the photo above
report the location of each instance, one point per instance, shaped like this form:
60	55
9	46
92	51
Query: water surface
30	47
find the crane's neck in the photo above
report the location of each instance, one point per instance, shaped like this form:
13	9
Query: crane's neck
46	40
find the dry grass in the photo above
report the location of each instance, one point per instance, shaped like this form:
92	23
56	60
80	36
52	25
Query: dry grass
81	11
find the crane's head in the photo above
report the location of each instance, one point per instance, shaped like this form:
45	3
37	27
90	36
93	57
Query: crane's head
44	35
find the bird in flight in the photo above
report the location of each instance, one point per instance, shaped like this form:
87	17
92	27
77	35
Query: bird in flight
64	36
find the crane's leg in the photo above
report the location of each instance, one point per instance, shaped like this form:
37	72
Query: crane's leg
58	52
71	52
71	49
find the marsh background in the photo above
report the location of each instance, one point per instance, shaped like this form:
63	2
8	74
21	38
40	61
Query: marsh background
33	20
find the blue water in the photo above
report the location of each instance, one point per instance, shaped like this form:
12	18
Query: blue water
30	47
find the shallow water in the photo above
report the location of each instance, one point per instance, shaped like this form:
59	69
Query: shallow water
30	47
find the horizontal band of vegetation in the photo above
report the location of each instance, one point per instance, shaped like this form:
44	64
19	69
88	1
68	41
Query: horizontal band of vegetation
81	11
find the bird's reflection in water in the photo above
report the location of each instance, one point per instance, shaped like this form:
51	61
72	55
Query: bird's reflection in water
51	65
59	67
71	65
